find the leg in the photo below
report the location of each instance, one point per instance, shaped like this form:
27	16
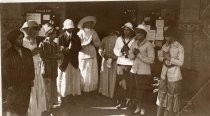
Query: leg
160	111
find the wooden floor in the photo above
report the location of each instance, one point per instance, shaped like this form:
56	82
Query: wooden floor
96	105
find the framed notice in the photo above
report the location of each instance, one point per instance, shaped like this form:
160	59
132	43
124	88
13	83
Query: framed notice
34	16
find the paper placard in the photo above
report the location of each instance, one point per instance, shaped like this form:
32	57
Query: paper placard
158	43
159	23
151	35
46	17
34	16
159	38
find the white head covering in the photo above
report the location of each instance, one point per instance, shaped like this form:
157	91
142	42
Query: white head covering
142	26
128	25
29	23
68	23
86	19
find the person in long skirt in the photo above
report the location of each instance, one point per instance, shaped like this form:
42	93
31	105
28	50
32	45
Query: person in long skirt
38	99
124	64
87	56
109	66
17	76
172	55
69	76
143	54
49	55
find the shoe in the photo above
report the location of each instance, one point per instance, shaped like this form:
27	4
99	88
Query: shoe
118	106
137	111
142	112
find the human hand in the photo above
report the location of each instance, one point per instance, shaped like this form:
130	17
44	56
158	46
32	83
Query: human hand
105	56
35	51
122	83
166	56
136	51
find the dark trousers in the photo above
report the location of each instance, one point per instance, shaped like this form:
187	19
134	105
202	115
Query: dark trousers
142	88
21	100
120	94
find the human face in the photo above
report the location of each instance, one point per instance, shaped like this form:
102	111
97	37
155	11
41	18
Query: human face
19	41
69	30
33	31
127	31
139	35
169	38
89	24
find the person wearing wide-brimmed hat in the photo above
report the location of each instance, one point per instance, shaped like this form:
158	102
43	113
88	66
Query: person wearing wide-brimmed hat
124	64
69	77
172	55
30	29
142	52
17	75
88	55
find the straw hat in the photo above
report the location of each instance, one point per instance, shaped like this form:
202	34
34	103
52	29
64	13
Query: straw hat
29	23
67	24
86	19
128	25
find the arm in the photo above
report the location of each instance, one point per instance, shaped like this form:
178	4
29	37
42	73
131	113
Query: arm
117	48
96	40
150	55
5	71
131	53
101	49
160	53
41	48
180	59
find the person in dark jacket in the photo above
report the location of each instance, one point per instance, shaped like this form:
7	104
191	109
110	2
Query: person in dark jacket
17	75
69	76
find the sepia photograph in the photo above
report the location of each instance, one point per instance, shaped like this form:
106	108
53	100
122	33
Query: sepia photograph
105	58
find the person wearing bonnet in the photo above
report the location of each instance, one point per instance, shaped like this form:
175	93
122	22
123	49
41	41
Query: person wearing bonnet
88	55
69	77
172	55
30	29
17	75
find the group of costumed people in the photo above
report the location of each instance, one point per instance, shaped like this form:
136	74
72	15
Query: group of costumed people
39	75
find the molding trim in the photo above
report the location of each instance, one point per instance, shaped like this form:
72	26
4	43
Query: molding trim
188	27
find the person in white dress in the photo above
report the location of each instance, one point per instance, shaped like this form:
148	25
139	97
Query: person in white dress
37	100
87	56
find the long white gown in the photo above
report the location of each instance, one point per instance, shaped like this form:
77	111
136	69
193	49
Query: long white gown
37	102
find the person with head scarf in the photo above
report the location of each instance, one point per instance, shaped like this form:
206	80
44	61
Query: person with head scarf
38	99
109	65
17	75
172	56
49	56
143	54
121	48
88	55
69	77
